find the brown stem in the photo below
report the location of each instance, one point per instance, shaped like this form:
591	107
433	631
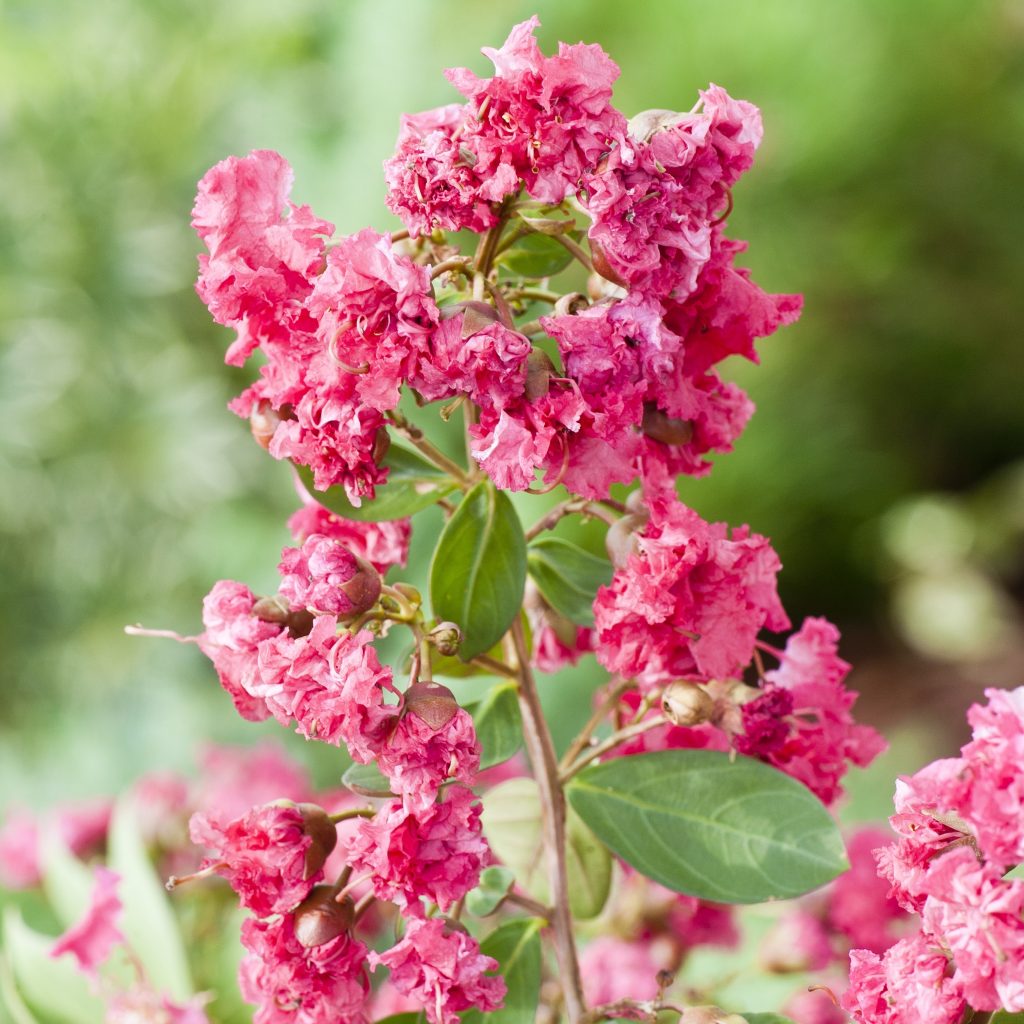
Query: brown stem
567	508
500	304
536	908
460	263
610	744
415	437
610	701
578	253
493	665
541	751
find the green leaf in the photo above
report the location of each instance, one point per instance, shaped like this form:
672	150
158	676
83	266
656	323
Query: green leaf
413	484
516	947
367	780
1004	1017
51	986
149	924
1015	873
766	1018
512	824
499	724
535	256
705	824
405	1018
478	572
568	577
495	883
67	882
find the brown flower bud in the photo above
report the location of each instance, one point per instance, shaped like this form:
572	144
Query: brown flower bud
476	315
321	917
686	704
381	444
319	827
432	702
602	266
621	540
446	637
539	371
362	588
661	427
571	303
297	621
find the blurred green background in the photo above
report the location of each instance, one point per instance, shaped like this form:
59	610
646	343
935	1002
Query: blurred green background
884	460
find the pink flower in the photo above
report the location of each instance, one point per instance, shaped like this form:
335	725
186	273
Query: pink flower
814	1007
231	641
141	1003
802	723
418	756
327	578
979	916
265	855
375	310
292	984
435	854
614	968
798	942
545	120
443	970
263	250
92	940
381	544
432	181
557	642
859	905
909	984
689	603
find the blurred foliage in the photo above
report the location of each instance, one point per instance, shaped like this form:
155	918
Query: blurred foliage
887	191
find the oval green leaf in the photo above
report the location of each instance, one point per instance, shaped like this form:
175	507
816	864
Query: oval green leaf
567	577
516	947
413	484
499	724
149	924
52	987
367	780
535	256
478	572
705	824
512	825
494	885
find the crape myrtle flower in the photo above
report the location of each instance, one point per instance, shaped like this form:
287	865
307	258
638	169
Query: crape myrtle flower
325	577
443	970
435	854
93	938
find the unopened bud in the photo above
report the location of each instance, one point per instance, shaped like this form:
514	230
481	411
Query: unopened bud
622	539
686	704
446	637
362	588
297	621
319	827
321	917
603	267
264	421
539	371
381	444
476	315
659	426
570	304
432	702
410	593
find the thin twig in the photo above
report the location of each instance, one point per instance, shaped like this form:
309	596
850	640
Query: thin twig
610	701
493	665
535	907
578	253
415	437
552	800
613	741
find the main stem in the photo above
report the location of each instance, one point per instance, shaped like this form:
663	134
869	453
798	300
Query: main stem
552	804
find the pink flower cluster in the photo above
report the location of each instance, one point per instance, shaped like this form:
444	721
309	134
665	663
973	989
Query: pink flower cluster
343	328
960	823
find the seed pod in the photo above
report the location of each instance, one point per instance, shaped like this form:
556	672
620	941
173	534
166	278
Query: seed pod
322	831
686	704
271	609
539	371
446	637
362	588
476	315
621	540
570	304
381	444
321	917
659	426
432	702
602	266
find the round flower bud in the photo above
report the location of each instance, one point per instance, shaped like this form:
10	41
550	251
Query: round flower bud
644	125
381	444
264	420
432	702
572	303
539	371
446	637
660	427
602	267
621	540
297	621
476	315
686	704
362	588
319	827
320	917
